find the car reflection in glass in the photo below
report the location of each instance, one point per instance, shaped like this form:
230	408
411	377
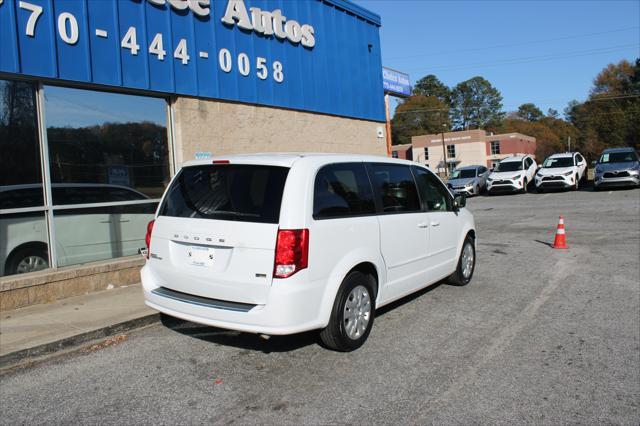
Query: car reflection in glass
82	234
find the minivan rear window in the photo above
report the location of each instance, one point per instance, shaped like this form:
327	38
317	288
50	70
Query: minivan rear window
233	192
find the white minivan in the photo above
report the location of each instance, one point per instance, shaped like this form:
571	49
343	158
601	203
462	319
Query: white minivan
283	243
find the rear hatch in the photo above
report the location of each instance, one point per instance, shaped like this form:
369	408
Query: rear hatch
216	230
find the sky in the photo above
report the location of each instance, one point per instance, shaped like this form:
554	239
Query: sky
546	52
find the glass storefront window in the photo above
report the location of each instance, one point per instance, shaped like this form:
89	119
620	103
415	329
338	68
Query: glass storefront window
103	148
106	139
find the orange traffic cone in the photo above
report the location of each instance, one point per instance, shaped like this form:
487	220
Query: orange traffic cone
560	241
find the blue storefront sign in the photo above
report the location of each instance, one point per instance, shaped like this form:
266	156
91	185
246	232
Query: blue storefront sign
396	82
314	55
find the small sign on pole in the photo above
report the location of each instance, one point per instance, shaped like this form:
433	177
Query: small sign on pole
396	83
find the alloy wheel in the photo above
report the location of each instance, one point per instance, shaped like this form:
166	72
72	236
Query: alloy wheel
357	312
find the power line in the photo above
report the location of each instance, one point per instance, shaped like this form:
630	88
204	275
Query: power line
530	59
500	46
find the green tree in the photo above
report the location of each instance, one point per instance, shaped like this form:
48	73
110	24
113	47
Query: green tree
418	115
529	112
611	115
553	113
430	85
475	104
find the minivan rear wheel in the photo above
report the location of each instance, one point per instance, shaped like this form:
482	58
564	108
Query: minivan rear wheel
466	264
352	314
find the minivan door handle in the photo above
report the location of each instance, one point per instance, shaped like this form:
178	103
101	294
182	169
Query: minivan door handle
423	225
435	223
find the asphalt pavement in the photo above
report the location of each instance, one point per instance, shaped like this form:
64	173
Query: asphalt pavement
539	336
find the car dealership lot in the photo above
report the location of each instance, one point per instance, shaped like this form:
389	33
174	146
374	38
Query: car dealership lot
538	336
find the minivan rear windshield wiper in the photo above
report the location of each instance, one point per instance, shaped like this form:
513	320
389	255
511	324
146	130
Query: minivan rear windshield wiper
232	213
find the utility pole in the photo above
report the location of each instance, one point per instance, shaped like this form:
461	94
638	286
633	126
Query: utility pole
444	152
569	142
388	124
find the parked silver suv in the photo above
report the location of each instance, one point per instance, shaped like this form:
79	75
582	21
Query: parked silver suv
469	180
617	167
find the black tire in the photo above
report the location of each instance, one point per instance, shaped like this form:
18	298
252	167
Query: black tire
540	190
458	278
577	184
37	250
334	335
524	186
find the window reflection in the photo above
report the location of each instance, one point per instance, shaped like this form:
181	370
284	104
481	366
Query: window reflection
20	171
106	139
90	234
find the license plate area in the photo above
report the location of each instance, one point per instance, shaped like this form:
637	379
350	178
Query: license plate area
200	256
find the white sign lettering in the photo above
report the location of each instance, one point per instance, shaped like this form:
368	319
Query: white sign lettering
199	7
268	23
458	138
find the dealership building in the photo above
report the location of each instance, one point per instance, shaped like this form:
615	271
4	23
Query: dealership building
464	148
102	101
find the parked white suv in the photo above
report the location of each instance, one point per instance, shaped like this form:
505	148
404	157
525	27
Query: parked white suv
564	170
513	174
284	243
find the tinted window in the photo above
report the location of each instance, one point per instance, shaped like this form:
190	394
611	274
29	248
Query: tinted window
528	162
17	198
618	157
509	166
435	197
579	158
463	174
557	162
395	188
342	190
231	192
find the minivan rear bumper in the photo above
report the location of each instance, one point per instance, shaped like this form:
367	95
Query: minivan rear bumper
293	306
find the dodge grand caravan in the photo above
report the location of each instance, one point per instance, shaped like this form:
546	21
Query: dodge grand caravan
284	243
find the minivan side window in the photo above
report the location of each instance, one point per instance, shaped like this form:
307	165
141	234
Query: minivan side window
395	188
435	197
342	190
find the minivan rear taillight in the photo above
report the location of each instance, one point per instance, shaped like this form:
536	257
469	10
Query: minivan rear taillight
147	238
292	252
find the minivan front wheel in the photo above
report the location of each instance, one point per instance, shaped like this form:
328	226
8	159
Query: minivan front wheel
30	258
352	314
466	264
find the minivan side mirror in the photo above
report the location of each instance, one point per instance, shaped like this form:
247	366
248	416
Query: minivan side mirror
459	201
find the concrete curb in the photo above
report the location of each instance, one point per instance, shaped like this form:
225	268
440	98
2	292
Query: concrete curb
18	358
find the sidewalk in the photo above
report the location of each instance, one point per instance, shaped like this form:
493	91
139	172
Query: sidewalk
37	330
